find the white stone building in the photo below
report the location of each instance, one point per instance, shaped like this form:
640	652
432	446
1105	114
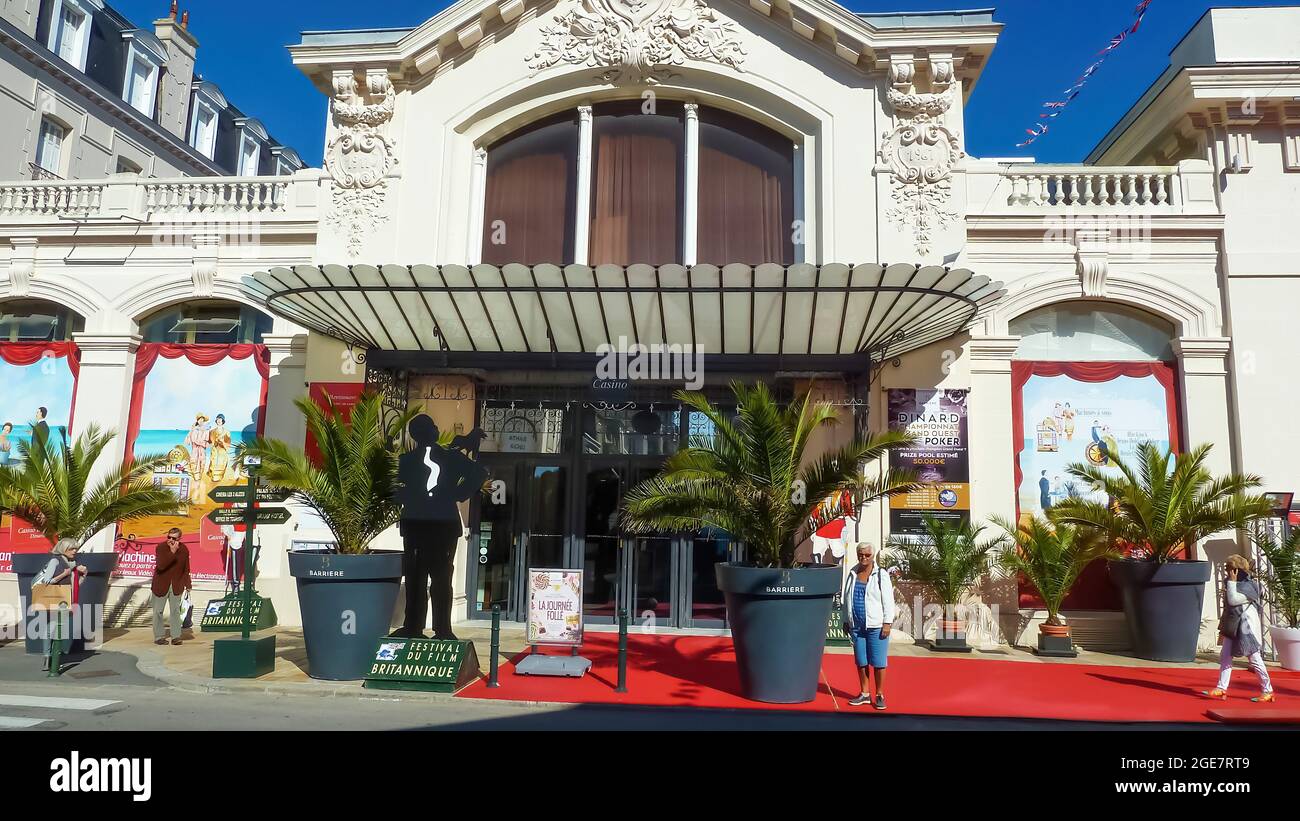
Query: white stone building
658	151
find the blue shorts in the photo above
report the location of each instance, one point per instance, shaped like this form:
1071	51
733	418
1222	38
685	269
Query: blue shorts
870	649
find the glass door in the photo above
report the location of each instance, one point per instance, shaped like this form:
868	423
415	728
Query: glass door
523	524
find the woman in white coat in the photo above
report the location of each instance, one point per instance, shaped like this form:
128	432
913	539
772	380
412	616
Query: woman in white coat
867	612
1241	629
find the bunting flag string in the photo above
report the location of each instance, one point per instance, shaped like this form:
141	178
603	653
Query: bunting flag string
1057	107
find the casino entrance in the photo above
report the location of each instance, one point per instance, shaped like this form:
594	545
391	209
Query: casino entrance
559	474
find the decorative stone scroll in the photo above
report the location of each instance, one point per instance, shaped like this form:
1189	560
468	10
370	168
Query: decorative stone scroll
920	153
637	41
360	157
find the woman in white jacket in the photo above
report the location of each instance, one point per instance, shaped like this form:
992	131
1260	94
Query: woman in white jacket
867	611
1241	629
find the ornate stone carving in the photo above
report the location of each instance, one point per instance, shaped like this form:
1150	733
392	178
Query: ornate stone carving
22	264
637	41
1092	258
360	157
920	154
203	267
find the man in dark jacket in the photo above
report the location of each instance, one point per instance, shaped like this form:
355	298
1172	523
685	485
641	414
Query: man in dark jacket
433	480
171	578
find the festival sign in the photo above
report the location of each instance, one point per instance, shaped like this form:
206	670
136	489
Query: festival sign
432	665
36	377
554	606
937	418
199	432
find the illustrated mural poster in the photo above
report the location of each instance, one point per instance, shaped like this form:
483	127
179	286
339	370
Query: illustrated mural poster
24	389
197	416
1067	421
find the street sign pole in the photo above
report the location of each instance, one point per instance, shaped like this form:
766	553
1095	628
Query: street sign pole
245	657
250	522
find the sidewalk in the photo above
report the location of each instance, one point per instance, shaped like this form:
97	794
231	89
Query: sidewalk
190	664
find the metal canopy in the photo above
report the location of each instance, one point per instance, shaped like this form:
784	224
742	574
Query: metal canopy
828	317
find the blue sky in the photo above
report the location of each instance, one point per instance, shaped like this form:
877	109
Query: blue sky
1044	47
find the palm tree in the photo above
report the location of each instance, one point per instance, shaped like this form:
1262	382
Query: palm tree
52	489
1282	575
948	559
749	479
1157	508
1051	556
353	488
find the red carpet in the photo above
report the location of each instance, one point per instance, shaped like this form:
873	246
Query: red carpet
694	671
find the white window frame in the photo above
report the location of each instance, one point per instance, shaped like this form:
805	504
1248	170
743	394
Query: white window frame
140	56
207	147
247	140
63	132
81	45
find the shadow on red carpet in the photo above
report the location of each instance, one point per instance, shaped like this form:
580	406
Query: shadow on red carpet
696	671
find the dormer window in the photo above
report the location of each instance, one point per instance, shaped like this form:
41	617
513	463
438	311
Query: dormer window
144	60
252	136
70	32
286	160
208	103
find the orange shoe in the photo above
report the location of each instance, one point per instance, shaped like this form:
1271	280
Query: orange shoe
1222	695
1264	698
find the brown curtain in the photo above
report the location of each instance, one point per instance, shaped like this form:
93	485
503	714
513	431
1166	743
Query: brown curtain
636	208
529	203
746	200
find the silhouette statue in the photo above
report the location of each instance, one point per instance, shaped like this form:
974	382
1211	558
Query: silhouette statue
432	480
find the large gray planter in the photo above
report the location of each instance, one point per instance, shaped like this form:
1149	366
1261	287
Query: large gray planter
347	606
93	591
778	622
1162	605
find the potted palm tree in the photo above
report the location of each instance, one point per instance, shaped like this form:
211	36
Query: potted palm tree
54	489
346	594
751	479
1159	505
1051	556
1282	589
948	559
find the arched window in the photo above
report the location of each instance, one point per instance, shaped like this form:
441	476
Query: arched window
529	201
206	323
37	321
1092	332
639	205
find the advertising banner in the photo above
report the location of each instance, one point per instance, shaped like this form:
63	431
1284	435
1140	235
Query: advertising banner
1065	420
554	606
195	404
937	418
1065	413
37	385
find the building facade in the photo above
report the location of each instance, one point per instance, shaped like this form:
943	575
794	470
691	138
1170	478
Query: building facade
84	94
513	191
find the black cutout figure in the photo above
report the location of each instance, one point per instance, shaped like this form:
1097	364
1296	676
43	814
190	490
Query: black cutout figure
432	480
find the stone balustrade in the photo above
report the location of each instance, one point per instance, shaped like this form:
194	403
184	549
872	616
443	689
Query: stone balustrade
1034	188
133	197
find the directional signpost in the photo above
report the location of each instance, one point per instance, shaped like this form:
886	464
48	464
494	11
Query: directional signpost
246	657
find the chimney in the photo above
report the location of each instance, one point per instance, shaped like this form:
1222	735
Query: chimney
185	19
177	75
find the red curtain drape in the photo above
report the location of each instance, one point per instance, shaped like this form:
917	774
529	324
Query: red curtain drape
29	353
148	354
746	192
528	208
1093	590
636	209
